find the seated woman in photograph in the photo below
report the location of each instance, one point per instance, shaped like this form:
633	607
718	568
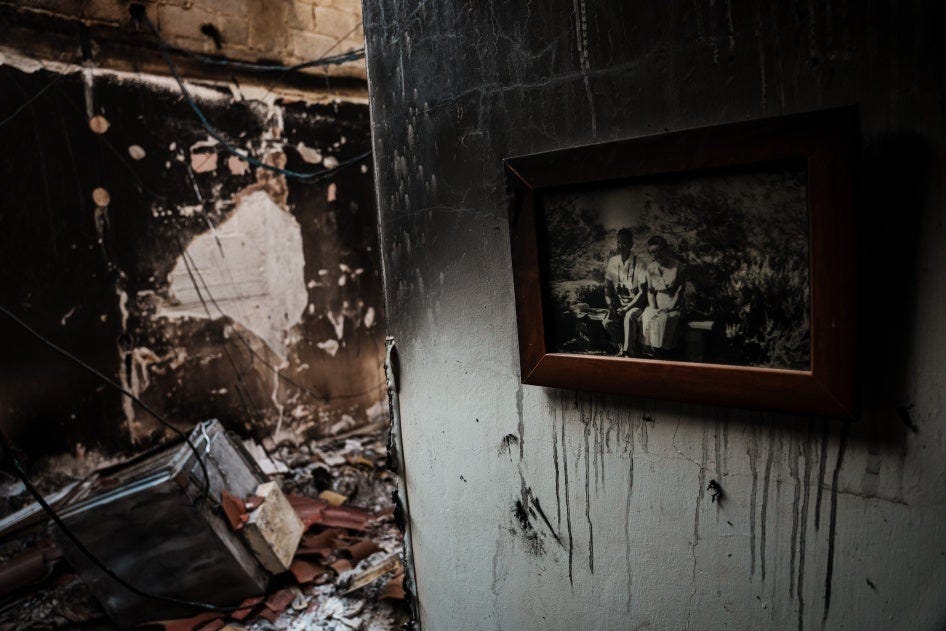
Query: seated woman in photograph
665	285
625	290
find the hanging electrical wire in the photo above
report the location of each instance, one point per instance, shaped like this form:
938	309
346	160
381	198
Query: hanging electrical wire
307	176
144	190
139	14
20	472
116	386
31	99
334	60
337	43
6	445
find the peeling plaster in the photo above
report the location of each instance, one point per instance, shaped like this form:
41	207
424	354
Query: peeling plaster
255	267
104	243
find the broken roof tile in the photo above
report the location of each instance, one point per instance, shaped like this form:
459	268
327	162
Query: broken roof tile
235	510
362	549
306	571
314	511
246	608
190	624
394	590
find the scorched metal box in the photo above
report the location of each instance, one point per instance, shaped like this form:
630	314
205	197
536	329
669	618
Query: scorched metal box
149	525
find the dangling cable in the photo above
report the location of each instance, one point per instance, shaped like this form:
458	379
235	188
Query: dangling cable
24	478
141	15
115	385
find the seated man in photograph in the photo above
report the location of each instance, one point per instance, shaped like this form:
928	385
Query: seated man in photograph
665	305
625	283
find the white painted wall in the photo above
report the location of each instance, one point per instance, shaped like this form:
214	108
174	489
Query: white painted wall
808	502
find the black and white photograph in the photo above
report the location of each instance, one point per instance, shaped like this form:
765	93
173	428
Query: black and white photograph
708	267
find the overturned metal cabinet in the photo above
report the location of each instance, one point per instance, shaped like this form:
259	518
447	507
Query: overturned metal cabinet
148	523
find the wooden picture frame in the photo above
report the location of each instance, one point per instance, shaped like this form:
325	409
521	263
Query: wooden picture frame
826	143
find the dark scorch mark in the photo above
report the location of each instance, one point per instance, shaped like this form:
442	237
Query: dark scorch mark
699	500
796	498
766	481
753	460
538	508
591	532
627	514
507	443
833	520
906	417
558	495
521	426
521	516
821	471
802	538
568	510
716	491
534	543
717	446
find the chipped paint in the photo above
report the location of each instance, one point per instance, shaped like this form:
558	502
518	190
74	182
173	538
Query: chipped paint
113	264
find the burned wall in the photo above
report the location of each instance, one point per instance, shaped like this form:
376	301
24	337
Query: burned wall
269	31
533	508
206	286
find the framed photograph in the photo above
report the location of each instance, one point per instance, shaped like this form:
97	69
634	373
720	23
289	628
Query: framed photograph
712	265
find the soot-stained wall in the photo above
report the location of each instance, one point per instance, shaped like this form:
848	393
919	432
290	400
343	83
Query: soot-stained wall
533	508
139	244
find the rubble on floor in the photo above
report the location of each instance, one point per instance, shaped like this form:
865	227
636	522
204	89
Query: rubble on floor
346	572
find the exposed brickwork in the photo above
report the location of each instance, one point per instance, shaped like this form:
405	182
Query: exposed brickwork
290	31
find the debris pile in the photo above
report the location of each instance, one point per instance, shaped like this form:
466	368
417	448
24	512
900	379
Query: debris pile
344	572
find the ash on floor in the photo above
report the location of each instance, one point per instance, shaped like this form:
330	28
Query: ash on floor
347	574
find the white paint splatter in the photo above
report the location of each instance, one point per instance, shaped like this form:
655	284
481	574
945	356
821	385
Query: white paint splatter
189	210
338	322
308	154
237	165
343	424
66	317
203	161
329	346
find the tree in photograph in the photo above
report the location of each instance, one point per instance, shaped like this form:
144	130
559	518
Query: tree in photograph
573	233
